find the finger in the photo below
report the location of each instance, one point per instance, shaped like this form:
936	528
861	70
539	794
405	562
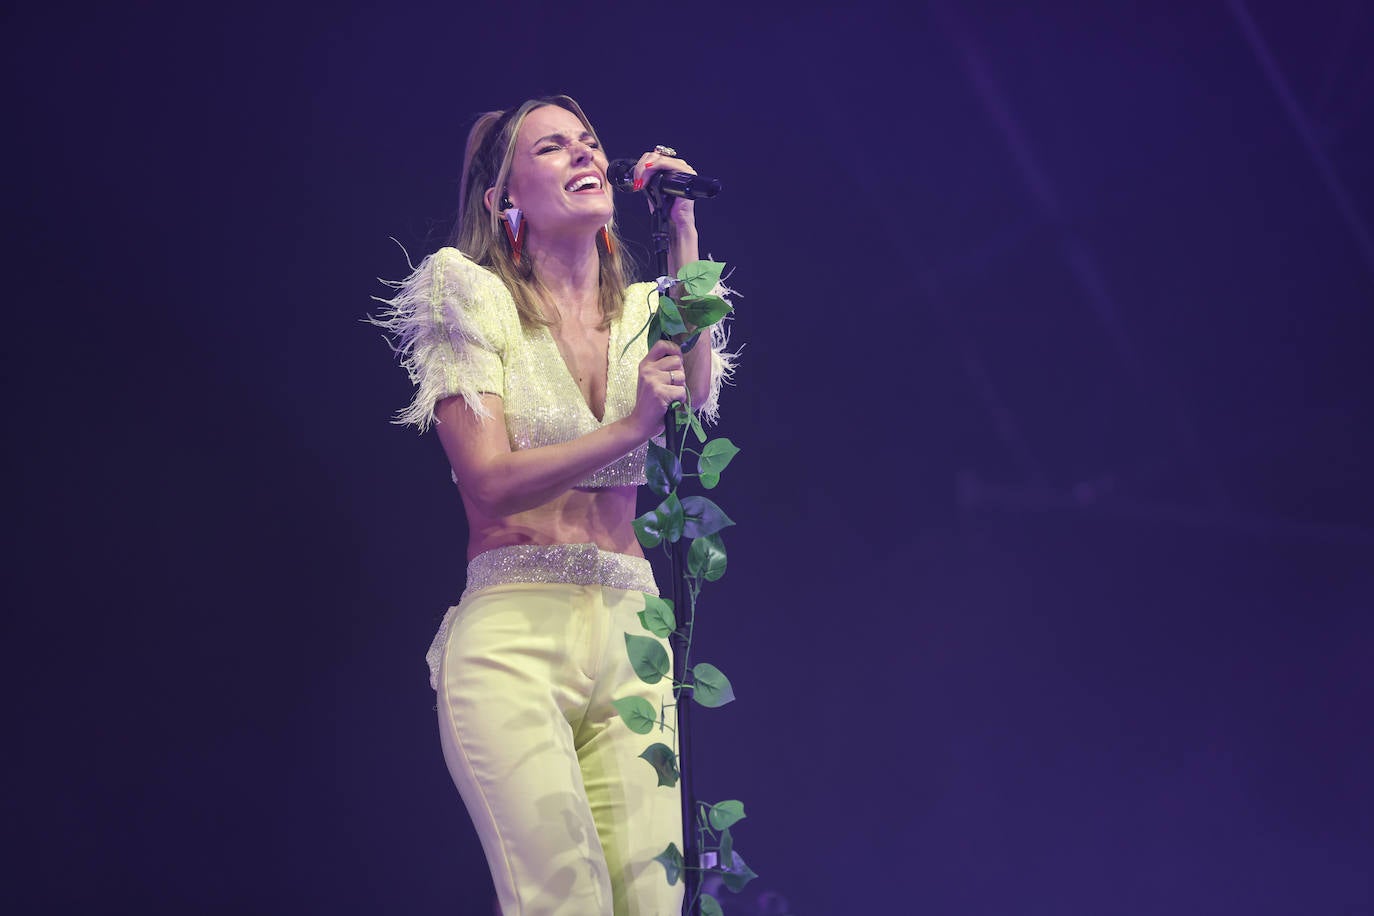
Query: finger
641	170
662	348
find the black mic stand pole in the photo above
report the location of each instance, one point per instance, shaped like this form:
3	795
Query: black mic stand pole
677	565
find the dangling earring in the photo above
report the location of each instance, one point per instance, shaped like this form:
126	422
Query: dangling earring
606	239
514	224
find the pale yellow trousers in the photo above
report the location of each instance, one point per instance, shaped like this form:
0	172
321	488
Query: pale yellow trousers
569	816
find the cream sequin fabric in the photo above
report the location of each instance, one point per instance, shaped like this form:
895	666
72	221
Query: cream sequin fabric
456	329
457	332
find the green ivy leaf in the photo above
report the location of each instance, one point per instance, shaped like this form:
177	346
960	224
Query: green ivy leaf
669	317
696	427
727	846
664	762
648	529
703	311
723	815
682	415
648	658
654	330
674	518
657	616
710	906
638	713
716	456
702	517
671	860
700	277
663	469
738	875
706	559
710	688
666	522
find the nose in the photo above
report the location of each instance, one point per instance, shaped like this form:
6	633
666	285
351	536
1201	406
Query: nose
581	151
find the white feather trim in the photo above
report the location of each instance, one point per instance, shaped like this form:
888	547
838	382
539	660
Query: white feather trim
442	326
723	362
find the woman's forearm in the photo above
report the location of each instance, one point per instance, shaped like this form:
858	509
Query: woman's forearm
500	482
683	249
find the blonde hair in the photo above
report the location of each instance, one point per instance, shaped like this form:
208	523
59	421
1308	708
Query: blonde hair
478	233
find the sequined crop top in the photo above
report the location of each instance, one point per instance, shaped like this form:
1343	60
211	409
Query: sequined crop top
457	332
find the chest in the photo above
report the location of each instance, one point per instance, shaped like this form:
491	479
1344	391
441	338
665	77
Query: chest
559	387
584	352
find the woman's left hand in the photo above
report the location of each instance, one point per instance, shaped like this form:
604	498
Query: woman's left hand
682	215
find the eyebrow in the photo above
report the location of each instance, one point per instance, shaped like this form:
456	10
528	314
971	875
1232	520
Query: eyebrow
560	137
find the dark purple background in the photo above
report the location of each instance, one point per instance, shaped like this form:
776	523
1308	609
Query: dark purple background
1051	590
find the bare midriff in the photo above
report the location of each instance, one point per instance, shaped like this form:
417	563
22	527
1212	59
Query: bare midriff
602	517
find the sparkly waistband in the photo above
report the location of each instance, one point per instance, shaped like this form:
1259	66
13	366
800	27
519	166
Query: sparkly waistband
568	564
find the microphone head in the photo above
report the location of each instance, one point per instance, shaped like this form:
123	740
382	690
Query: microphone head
620	173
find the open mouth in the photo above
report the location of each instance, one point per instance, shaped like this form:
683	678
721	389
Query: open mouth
583	183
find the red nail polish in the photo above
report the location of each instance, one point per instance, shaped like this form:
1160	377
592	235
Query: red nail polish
639	183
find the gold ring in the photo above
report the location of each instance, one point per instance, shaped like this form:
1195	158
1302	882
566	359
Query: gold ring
665	151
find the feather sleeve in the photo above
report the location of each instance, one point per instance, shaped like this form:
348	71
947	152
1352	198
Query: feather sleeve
445	323
723	361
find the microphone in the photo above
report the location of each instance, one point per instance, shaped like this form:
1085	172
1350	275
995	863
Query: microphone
620	173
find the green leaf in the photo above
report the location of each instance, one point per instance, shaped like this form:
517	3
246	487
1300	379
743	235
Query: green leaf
671	860
710	688
702	517
654	331
696	427
669	318
648	658
709	480
663	469
666	522
638	713
703	311
706	559
674	517
726	814
657	616
738	875
727	846
716	456
647	530
710	906
664	762
700	277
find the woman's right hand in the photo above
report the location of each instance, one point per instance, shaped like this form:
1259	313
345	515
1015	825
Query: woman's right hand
662	380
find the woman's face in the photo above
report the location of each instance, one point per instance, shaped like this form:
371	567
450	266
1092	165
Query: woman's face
558	174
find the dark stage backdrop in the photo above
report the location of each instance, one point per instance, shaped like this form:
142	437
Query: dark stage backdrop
1051	589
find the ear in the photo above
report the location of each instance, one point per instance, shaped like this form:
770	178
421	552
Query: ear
488	197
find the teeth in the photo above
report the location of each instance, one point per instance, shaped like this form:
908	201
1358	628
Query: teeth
586	181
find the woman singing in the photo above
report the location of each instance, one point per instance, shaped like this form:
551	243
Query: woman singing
516	338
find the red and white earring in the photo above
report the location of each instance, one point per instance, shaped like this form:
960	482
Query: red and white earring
514	224
606	239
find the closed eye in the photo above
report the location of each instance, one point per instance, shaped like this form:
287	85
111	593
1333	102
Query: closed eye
559	141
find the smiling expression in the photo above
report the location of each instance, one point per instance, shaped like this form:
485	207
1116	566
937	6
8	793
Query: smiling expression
558	174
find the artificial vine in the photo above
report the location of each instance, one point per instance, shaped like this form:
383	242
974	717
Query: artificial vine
696	307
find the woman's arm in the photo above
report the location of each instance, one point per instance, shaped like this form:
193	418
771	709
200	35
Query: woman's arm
683	249
501	482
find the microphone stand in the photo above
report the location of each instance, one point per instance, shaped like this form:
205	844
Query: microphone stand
677	565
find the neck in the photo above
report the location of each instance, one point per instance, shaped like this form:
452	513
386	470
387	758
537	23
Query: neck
569	269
